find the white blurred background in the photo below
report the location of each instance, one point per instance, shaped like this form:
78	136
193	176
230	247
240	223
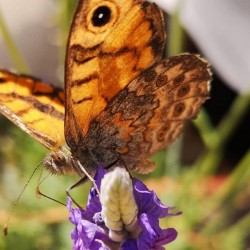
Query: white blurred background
30	23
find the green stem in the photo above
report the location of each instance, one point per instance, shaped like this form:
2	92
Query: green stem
66	11
206	129
176	36
229	123
227	194
16	56
216	139
172	158
237	179
243	226
232	119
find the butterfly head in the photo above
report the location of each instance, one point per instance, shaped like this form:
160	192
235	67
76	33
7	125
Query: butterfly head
59	162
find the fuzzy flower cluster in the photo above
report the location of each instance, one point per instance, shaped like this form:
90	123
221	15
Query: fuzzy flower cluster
91	232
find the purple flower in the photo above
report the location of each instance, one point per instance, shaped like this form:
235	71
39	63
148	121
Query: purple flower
91	232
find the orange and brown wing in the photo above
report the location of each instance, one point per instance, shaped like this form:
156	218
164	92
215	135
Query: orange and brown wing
35	107
150	112
110	44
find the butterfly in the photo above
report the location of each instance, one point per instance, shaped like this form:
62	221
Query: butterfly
121	103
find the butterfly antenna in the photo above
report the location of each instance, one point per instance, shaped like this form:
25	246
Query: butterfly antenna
14	205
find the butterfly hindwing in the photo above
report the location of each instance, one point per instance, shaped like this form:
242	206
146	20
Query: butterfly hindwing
35	107
150	112
105	55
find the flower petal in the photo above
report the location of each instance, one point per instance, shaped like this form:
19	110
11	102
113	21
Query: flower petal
76	214
129	244
93	207
167	235
99	175
150	232
148	202
93	204
88	235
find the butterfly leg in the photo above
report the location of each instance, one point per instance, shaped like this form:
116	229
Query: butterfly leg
39	193
80	182
86	177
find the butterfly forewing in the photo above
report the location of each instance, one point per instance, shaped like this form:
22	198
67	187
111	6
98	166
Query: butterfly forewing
36	107
104	56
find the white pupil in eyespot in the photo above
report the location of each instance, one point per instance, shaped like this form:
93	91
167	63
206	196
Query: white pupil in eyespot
100	15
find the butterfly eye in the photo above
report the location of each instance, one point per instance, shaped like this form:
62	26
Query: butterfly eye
101	16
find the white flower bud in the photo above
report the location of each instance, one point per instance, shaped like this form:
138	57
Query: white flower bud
119	209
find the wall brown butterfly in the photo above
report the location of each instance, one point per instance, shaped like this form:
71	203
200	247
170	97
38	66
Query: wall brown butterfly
122	103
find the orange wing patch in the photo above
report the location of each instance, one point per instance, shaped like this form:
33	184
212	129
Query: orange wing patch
105	55
150	112
36	107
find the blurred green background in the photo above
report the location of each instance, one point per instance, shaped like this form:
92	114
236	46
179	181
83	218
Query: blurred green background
198	174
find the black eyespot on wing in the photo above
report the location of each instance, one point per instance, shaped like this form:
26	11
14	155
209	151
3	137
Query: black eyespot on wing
179	108
101	16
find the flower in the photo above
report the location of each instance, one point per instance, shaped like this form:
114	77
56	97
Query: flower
93	232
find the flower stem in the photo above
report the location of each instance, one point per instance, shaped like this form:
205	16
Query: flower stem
232	119
176	35
238	179
66	9
216	139
16	56
228	194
